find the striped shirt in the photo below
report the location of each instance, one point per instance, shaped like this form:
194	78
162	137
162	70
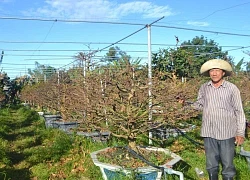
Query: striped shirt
223	115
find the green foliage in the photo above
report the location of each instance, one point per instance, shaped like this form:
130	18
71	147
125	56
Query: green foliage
246	145
186	60
115	54
238	66
161	62
204	49
248	67
3	149
42	72
42	170
9	90
48	153
28	115
55	143
61	144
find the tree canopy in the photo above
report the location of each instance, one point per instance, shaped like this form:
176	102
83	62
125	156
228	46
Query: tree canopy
42	72
186	60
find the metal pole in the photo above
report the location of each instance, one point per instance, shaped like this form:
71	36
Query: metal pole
150	76
149	81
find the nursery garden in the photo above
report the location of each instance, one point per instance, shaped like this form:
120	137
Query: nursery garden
52	128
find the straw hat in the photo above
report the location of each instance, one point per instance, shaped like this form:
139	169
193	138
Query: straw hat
216	63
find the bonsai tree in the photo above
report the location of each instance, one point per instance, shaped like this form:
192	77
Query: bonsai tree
124	104
115	99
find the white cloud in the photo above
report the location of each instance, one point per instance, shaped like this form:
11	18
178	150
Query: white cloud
99	9
197	23
146	9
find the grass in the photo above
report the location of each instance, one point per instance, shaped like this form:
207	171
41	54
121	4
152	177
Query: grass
29	151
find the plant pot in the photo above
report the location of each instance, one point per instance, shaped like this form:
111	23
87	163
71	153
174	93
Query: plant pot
246	154
50	120
95	136
164	132
65	126
110	172
40	113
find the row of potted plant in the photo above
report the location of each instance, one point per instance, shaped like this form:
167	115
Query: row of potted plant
116	101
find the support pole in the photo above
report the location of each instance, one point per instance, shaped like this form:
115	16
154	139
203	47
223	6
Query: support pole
150	77
149	81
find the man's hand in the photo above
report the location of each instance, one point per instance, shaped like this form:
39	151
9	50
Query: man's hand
239	140
180	100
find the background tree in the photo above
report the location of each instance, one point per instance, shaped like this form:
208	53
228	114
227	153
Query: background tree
161	63
10	89
115	54
174	63
85	59
247	64
248	68
186	60
202	50
42	72
238	67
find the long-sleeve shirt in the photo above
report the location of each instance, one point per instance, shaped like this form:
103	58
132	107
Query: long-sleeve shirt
222	111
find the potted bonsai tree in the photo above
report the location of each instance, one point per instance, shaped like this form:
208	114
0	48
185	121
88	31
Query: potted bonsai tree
124	107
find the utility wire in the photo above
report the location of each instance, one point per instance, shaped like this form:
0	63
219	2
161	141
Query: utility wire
224	10
46	59
100	57
71	57
72	21
60	50
173	27
39	55
136	44
129	43
132	34
191	29
24	64
45	37
137	24
92	53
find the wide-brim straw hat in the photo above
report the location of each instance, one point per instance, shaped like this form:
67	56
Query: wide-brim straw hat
218	64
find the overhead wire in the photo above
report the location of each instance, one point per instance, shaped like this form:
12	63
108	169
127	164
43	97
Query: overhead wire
118	42
45	37
121	23
135	44
94	43
71	21
145	26
200	30
223	10
130	51
100	57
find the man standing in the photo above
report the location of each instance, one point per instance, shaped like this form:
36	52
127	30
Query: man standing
223	118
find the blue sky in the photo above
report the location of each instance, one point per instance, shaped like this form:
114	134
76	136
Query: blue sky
29	31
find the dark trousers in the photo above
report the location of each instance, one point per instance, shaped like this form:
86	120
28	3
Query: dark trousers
220	151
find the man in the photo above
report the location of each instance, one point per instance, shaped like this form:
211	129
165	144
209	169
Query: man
223	118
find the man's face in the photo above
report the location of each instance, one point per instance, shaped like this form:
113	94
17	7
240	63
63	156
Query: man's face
216	74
